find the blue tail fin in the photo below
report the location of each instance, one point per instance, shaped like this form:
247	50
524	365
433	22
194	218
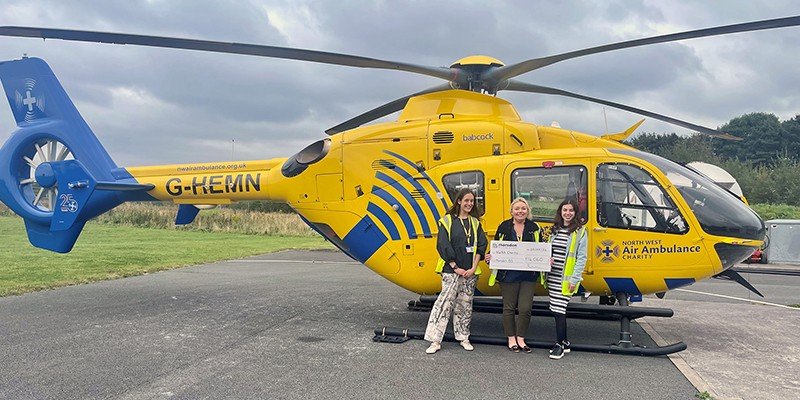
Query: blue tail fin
54	172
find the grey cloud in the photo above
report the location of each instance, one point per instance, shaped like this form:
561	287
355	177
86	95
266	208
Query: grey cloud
273	108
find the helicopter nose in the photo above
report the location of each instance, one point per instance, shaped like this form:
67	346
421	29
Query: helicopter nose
732	254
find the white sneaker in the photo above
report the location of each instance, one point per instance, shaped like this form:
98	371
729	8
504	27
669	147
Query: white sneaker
433	348
467	345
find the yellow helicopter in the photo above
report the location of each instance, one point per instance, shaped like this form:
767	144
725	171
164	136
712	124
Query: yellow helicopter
377	191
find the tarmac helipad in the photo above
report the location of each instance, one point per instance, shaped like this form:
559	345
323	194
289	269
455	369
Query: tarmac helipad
740	346
297	325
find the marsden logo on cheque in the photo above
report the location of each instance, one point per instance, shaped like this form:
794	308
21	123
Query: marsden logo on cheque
474	137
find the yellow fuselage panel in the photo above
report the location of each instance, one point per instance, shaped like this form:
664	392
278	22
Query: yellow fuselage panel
378	192
213	183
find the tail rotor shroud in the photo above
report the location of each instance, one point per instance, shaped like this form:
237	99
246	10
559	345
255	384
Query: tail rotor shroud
53	162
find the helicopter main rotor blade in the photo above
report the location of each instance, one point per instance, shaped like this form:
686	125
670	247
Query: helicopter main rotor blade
381	111
510	71
527	87
223	47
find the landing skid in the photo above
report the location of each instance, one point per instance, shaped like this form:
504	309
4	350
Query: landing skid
622	312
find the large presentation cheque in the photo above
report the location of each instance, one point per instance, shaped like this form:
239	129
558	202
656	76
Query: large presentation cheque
520	256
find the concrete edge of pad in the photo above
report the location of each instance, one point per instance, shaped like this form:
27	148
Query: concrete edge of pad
691	375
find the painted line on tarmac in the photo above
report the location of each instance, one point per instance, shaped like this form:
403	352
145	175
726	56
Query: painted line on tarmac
295	261
678	361
739	298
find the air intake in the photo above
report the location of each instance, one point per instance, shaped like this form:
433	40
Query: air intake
443	137
383	164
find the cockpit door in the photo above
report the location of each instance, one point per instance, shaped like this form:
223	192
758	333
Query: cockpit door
640	240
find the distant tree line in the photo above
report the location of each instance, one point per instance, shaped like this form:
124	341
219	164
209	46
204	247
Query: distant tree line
766	162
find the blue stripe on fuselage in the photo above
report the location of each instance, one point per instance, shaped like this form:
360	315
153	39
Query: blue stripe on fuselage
405	175
385	220
426	230
424	175
625	285
674	283
389	199
364	239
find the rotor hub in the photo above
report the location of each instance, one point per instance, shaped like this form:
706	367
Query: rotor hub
472	70
45	176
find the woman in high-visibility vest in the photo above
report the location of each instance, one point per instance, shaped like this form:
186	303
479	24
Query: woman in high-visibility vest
516	287
568	237
461	244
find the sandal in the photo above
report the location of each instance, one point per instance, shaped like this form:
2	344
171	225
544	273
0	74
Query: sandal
526	349
514	348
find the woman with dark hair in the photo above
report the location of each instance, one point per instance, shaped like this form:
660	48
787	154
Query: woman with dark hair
568	237
461	244
516	287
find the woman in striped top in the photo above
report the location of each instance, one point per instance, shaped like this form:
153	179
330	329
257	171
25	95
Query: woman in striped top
568	237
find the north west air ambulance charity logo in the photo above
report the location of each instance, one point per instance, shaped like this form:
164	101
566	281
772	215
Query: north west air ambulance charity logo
606	251
29	101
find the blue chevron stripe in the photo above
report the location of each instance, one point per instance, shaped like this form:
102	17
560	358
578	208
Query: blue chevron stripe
424	175
385	220
674	283
626	285
389	199
364	239
426	196
426	230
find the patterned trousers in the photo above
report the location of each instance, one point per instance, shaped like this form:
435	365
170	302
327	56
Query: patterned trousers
455	298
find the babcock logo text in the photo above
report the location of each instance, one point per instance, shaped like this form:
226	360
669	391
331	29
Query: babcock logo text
472	137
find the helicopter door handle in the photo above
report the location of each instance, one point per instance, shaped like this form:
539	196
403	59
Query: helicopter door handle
599	229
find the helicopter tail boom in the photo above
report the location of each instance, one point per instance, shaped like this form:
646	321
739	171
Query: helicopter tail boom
54	172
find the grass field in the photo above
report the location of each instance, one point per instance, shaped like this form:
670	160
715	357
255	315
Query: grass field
107	251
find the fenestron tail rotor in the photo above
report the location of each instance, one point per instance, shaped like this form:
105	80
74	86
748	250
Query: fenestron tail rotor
41	197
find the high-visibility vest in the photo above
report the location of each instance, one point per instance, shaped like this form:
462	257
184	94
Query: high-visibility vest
446	222
569	264
493	277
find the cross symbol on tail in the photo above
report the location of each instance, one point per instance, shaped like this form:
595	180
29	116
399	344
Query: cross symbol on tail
28	100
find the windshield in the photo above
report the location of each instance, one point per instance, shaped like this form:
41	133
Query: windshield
718	211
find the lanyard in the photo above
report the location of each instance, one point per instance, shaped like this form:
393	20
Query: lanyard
467	232
519	236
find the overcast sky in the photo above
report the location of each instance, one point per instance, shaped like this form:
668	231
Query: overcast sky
157	106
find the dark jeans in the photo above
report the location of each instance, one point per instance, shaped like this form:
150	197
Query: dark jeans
517	296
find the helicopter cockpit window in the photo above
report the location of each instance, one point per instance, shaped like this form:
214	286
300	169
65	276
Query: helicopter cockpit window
453	183
546	188
628	197
718	211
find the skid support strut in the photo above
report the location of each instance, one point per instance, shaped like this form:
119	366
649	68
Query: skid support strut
624	322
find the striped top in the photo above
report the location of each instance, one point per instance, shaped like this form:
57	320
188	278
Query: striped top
558	302
560	247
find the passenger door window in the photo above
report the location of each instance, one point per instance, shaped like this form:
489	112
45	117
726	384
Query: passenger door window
546	188
473	180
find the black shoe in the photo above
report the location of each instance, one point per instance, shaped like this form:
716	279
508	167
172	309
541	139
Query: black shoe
526	349
557	351
565	344
514	348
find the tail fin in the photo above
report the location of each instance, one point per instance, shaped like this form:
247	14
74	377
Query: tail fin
54	172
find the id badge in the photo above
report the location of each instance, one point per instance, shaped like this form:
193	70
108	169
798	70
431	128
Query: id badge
470	249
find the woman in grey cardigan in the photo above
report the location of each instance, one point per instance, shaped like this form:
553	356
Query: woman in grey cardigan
568	237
